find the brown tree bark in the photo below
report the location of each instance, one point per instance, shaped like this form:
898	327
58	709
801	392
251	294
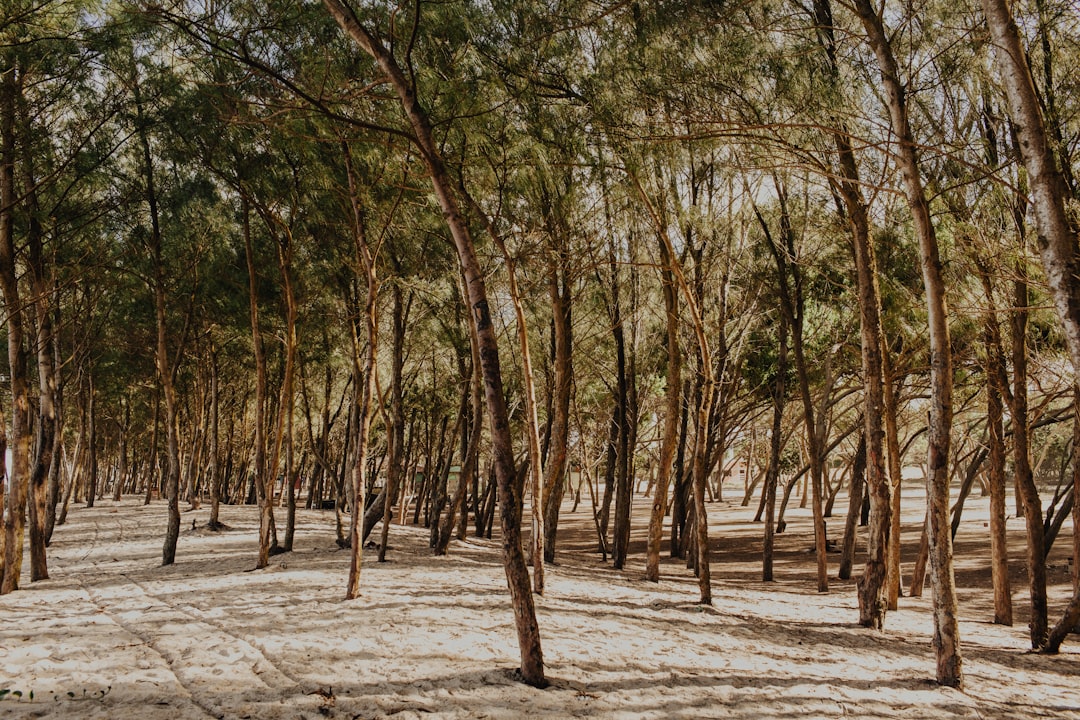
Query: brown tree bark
18	474
264	485
555	468
619	454
165	364
996	389
45	443
532	424
946	628
873	589
672	402
892	443
772	474
855	501
517	574
707	382
365	387
791	302
215	454
396	430
1057	232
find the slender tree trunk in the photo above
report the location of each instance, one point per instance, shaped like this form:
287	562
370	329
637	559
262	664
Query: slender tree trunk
1024	476
622	481
166	367
946	629
875	590
532	424
443	528
855	501
999	556
772	473
283	436
396	430
704	409
18	475
91	473
669	441
791	301
215	453
555	469
366	389
892	441
264	485
1071	616
517	574
46	427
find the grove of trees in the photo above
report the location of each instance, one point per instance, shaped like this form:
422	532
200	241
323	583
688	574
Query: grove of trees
442	262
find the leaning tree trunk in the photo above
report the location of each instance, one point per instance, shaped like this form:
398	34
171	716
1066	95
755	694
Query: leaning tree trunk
517	573
946	628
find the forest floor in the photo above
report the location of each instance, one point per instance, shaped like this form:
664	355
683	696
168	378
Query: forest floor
115	635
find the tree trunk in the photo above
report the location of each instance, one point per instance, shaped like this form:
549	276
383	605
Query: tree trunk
555	468
517	574
772	476
704	409
396	431
365	388
166	366
622	481
45	444
896	473
791	301
669	441
532	424
996	384
215	454
1070	619
18	475
946	630
1024	477
855	501
264	485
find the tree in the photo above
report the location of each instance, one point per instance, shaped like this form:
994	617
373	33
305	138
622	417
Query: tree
532	668
946	631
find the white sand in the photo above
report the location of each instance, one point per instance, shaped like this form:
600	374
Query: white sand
114	635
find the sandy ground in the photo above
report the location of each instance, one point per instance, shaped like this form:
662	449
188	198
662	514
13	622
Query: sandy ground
114	635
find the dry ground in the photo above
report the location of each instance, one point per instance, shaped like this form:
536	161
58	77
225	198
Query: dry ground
114	635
